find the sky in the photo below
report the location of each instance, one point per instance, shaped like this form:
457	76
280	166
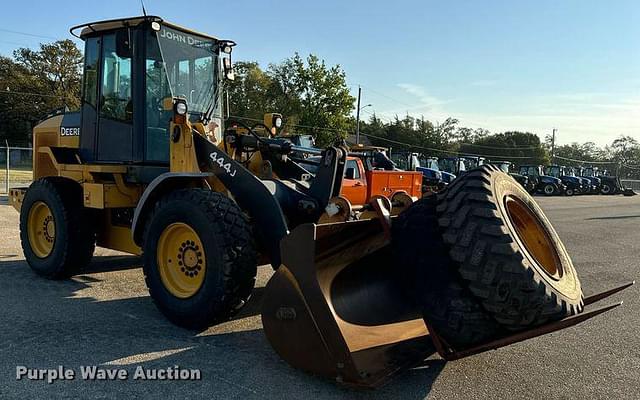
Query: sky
500	65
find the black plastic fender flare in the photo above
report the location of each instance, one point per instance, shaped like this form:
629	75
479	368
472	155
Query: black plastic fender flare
158	187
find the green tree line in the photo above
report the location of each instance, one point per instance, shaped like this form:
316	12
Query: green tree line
313	97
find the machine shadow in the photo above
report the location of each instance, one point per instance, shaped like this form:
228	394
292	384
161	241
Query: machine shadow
112	263
52	322
613	217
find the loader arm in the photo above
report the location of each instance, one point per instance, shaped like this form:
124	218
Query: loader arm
268	200
251	194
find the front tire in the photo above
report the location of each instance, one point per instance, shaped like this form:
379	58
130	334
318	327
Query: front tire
55	232
607	189
199	258
506	251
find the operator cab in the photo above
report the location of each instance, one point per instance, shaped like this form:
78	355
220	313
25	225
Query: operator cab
452	165
531	170
555	170
133	70
504	166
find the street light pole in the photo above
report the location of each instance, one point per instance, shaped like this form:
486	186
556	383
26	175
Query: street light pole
553	146
358	116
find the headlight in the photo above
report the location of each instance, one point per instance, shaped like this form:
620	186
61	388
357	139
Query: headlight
181	108
278	122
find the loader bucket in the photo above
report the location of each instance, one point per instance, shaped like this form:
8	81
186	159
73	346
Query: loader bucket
336	308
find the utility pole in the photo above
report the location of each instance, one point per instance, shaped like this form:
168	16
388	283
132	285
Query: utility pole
553	145
8	165
358	116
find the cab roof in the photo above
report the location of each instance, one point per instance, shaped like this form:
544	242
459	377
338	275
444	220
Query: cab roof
110	24
360	147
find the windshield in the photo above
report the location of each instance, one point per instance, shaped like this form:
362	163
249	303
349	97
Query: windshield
189	64
448	165
432	163
504	167
530	170
178	65
472	162
552	171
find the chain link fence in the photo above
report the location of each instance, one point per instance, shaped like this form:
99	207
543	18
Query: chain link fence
16	165
631	183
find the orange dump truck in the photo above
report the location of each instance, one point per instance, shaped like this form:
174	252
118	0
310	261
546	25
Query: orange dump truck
360	185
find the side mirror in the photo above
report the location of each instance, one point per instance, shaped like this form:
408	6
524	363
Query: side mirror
350	173
228	68
123	43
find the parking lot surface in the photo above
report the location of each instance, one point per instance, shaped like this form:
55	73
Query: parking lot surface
105	317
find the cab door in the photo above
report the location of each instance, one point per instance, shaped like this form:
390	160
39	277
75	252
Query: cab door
115	102
355	190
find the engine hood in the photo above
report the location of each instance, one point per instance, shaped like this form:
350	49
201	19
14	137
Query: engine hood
550	179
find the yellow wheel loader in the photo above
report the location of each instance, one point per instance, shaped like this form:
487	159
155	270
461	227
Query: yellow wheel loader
148	166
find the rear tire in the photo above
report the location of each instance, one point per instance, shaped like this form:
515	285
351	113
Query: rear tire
446	305
606	189
569	192
226	262
61	242
506	251
549	189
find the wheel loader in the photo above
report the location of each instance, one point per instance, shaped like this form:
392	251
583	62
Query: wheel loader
149	166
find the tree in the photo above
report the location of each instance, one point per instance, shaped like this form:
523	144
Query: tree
625	152
514	146
312	97
250	94
34	83
57	66
315	95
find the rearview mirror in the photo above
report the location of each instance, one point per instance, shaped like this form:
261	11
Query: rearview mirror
350	173
123	43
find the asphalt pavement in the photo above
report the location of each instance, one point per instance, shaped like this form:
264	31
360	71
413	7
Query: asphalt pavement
105	317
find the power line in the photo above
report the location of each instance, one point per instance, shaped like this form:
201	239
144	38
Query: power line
584	161
292	125
15	43
634	167
443	151
470	144
30	94
395	141
389	97
28	34
524	147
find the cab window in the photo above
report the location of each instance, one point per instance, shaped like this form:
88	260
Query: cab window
353	164
116	102
90	90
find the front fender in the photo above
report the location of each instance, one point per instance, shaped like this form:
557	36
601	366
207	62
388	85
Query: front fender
162	184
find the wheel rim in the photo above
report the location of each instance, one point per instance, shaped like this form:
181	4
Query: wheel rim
41	229
548	189
181	260
532	235
606	189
